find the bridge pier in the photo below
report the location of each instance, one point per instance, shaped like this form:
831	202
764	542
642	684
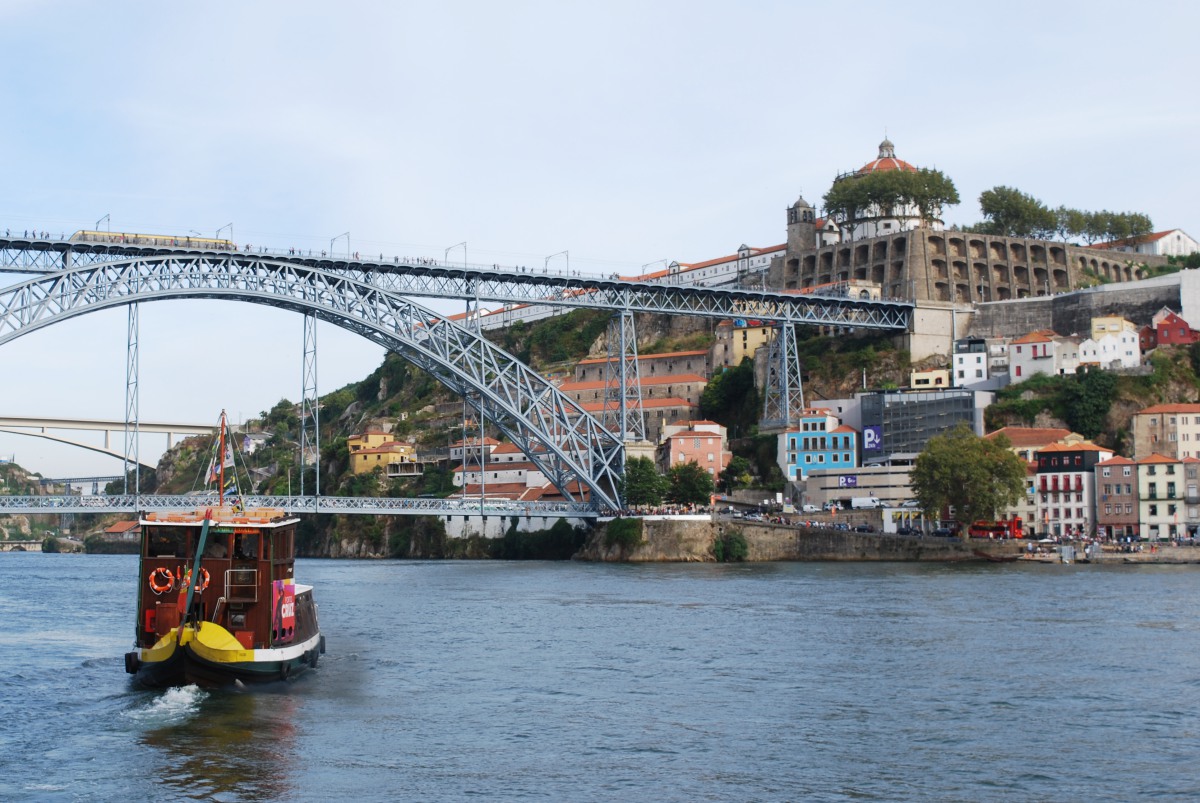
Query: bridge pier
783	396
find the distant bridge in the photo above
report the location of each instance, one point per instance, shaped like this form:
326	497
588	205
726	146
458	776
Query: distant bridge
20	546
38	427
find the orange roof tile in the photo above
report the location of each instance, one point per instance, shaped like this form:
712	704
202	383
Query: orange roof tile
647	404
1157	459
1030	436
1170	408
641	357
1117	460
1084	446
645	380
1040	336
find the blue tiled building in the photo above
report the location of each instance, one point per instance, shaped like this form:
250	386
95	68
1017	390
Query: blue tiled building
820	442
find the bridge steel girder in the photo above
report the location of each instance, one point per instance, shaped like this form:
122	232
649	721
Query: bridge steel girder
562	439
506	285
129	503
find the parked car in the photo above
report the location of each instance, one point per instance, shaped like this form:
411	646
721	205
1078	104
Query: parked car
911	503
905	531
863	528
810	508
865	502
832	506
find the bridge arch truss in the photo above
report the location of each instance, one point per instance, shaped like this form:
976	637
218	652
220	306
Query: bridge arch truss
563	440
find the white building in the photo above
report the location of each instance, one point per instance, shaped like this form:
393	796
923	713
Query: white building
1120	350
970	364
1173	242
1042	352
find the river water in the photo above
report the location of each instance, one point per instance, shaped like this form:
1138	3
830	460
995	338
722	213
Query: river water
564	681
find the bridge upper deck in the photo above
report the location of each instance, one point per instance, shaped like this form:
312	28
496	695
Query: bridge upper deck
493	283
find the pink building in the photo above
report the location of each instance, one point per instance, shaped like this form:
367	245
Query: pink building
700	442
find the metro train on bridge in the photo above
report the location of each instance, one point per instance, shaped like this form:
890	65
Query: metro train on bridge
130	238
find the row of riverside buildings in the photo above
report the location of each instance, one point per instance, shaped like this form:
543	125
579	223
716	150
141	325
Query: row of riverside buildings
864	445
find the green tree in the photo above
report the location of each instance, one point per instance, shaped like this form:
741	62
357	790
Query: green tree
1012	213
890	191
976	476
690	484
736	475
1087	401
642	484
731	399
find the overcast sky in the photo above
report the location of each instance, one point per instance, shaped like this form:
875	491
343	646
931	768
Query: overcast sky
623	132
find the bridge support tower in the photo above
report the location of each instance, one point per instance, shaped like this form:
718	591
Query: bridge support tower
783	396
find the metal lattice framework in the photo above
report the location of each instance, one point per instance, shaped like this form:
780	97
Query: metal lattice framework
310	403
387	506
783	396
623	413
491	283
564	441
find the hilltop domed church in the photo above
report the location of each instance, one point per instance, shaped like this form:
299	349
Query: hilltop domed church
899	254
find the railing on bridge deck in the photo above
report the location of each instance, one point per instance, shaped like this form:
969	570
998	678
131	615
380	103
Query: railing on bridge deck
101	503
520	285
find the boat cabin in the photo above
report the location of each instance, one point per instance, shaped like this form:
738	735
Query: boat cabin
245	579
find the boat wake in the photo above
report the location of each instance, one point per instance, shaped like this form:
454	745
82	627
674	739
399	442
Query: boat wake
173	705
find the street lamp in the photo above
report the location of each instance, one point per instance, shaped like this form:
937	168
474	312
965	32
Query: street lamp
229	226
345	234
546	264
655	262
463	246
105	219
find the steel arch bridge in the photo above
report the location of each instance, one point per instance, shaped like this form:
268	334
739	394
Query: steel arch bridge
564	441
491	283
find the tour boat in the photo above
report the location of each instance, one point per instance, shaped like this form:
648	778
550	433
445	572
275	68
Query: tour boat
217	599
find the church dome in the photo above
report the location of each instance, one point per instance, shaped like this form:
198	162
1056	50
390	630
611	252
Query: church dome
801	204
886	161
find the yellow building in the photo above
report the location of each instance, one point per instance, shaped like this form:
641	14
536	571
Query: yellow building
1111	325
927	380
372	449
737	339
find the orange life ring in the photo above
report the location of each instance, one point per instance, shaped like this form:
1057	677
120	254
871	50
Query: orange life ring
204	580
161	580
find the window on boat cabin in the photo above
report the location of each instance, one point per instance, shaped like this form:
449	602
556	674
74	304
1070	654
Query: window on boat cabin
245	546
165	542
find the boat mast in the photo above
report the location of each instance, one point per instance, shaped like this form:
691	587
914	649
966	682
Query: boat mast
221	458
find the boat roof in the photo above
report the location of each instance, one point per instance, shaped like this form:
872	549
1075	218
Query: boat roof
225	516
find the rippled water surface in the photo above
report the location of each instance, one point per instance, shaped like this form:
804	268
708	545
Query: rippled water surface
561	681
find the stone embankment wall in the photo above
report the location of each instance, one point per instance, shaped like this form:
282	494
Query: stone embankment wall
685	541
1072	313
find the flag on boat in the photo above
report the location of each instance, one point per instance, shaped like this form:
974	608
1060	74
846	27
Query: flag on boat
214	471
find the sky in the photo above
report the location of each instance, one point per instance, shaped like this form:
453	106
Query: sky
625	133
